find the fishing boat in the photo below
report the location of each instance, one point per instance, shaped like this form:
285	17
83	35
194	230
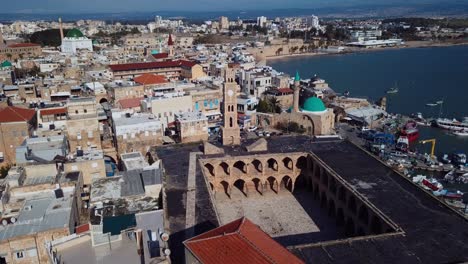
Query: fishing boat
393	90
432	104
453	124
440	102
410	131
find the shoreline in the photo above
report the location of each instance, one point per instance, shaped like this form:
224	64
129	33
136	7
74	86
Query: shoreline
407	45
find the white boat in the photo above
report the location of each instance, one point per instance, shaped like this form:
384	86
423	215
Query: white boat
453	124
461	133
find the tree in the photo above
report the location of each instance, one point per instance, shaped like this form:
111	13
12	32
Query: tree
4	171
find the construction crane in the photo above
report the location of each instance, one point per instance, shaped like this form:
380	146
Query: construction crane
433	142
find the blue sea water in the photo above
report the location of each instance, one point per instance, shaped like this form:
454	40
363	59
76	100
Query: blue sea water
423	75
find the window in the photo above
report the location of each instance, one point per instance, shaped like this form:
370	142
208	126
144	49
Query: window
19	255
78	135
76	111
86	111
205	103
90	134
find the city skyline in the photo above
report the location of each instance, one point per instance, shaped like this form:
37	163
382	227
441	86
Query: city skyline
88	6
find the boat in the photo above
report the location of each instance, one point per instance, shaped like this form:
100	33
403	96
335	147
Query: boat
446	159
440	102
402	144
432	184
410	131
432	104
453	124
461	133
459	158
393	90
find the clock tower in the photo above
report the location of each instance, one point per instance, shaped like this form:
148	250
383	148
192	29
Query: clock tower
230	129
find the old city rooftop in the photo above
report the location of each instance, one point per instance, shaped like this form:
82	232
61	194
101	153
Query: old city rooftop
240	241
416	214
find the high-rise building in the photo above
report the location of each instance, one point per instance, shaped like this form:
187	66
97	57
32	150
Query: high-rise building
261	21
223	22
158	20
313	21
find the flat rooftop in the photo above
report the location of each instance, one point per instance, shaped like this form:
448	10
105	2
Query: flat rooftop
433	233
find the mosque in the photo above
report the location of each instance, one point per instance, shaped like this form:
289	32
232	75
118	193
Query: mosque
312	116
74	41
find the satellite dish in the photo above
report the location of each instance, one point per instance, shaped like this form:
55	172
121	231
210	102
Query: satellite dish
167	252
165	237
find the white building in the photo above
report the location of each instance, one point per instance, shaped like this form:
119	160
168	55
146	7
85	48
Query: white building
261	21
74	41
313	22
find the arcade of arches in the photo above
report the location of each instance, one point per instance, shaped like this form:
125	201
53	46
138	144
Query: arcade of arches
288	172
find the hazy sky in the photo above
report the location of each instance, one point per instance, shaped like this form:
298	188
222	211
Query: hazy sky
75	6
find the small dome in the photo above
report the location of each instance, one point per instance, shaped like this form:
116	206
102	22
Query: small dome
5	64
313	104
75	33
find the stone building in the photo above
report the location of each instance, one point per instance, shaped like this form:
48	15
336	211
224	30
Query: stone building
35	211
137	132
82	124
120	89
165	107
20	50
191	127
172	69
16	124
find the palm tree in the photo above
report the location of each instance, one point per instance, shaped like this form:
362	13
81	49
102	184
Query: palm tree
274	105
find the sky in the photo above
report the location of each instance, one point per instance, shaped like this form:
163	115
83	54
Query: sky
76	6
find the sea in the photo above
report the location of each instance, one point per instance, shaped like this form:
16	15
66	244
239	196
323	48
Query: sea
423	75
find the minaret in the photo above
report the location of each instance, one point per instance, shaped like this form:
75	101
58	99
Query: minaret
170	44
61	28
230	129
297	88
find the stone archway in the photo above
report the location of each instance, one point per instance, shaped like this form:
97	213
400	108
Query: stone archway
376	226
287	183
257	165
363	215
288	163
272	164
210	169
352	204
300	183
350	228
224	167
311	128
241	186
272	183
258	185
226	188
240	167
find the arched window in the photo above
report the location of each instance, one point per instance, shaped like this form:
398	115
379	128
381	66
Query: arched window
230	122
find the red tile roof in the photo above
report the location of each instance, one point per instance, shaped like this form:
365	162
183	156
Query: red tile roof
23	45
286	90
130	103
53	111
151	65
160	56
148	78
16	114
240	241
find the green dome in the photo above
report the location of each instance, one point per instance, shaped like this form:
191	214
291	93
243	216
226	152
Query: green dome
5	64
75	33
313	104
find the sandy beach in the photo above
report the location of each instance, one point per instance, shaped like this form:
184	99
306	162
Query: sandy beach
408	44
